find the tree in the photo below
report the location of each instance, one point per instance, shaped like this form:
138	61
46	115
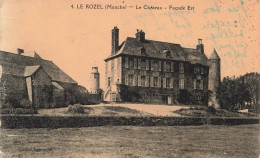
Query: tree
238	93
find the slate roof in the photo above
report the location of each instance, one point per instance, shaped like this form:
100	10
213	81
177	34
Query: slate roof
214	55
18	65
157	49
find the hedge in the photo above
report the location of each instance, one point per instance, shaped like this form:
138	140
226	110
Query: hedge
9	121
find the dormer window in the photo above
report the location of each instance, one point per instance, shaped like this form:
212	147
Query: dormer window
142	51
167	53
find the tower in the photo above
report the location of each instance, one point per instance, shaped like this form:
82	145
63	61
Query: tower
214	78
94	81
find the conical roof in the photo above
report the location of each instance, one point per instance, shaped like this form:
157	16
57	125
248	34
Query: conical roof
214	55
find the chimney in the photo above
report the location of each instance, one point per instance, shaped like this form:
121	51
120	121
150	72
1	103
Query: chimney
200	46
140	35
20	51
115	39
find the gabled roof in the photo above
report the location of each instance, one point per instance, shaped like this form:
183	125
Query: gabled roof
157	49
30	70
16	65
214	55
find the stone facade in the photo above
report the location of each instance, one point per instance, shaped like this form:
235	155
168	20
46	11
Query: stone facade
149	71
34	81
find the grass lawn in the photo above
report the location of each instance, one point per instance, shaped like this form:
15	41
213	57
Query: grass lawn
94	111
133	142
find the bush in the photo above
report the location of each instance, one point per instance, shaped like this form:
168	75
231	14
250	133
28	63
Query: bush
18	111
77	108
211	110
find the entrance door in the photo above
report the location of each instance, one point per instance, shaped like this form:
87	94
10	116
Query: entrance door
169	100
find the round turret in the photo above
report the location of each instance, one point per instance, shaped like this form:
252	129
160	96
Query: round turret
214	71
214	78
94	81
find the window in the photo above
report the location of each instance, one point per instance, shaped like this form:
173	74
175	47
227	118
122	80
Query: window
172	66
147	64
164	82
139	63
135	63
135	80
155	82
168	66
164	66
201	85
152	65
171	83
126	62
139	80
131	63
156	66
196	70
130	80
143	81
143	64
181	83
147	81
126	79
159	82
151	82
181	68
160	66
202	70
168	82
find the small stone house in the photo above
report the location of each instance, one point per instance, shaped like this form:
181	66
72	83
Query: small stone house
33	80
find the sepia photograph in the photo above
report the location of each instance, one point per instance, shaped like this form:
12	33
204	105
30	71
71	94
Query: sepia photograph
129	79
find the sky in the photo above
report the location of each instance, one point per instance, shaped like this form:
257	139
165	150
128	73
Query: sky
76	39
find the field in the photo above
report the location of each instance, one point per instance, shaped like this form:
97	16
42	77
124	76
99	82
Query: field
133	142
